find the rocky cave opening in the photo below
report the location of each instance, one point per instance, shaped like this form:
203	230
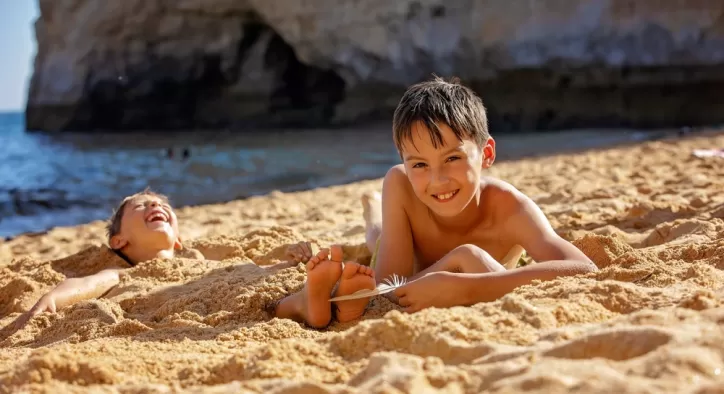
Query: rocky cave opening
166	93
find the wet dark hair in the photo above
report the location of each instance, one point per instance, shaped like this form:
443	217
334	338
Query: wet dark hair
114	223
439	101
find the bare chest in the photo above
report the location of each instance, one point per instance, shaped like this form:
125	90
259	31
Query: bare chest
431	243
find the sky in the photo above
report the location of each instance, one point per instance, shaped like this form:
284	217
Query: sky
17	45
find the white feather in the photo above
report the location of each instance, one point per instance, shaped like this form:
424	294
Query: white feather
388	285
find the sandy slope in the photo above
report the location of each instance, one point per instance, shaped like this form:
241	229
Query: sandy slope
650	216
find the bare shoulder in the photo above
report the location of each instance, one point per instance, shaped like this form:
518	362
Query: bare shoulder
396	174
396	185
515	212
505	198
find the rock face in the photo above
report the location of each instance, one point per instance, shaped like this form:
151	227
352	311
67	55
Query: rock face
175	64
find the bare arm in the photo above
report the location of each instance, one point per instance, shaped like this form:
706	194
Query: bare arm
395	254
531	229
525	225
73	290
555	256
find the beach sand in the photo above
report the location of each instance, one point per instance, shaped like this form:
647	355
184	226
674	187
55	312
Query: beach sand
651	216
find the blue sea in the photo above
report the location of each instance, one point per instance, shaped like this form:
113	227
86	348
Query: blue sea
64	179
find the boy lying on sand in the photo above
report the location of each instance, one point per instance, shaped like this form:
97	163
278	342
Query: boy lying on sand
455	234
143	227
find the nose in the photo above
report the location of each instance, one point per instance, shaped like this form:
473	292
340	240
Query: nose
153	204
438	176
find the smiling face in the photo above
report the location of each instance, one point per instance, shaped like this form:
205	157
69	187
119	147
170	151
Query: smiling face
147	223
445	176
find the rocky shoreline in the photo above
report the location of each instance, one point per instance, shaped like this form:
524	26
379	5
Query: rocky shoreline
244	65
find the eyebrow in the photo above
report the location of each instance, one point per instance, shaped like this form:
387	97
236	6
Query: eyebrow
458	148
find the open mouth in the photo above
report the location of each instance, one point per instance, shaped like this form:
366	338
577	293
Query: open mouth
157	216
443	197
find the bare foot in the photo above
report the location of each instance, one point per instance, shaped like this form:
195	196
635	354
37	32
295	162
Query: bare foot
322	276
372	213
311	304
355	277
372	208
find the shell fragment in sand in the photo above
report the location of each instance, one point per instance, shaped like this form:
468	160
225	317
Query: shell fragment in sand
387	286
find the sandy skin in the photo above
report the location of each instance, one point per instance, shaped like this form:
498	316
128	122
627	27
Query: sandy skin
324	272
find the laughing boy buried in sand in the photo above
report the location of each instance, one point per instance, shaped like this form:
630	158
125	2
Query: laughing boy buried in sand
452	233
144	227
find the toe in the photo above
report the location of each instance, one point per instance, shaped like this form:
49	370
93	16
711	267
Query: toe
337	253
314	260
323	254
349	270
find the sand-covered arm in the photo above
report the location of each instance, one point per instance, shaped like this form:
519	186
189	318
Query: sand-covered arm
73	290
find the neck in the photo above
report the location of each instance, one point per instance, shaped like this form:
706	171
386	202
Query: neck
138	256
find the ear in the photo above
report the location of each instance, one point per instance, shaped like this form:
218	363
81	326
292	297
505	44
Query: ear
178	245
118	242
489	153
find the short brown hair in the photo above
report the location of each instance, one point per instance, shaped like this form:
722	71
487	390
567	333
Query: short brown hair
114	223
439	101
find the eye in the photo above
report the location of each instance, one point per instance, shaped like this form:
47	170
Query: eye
419	165
453	158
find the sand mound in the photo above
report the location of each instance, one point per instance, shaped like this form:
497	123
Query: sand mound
650	320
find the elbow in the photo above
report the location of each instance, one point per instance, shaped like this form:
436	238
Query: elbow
587	266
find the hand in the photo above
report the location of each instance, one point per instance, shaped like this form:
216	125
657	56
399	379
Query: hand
436	289
300	252
45	304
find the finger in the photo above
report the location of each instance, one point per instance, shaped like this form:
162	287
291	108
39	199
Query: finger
295	250
306	249
35	311
411	309
301	257
404	302
293	253
400	291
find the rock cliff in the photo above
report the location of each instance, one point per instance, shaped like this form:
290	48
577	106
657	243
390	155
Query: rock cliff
240	64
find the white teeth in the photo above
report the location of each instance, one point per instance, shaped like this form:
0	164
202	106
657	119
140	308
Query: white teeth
445	196
157	216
